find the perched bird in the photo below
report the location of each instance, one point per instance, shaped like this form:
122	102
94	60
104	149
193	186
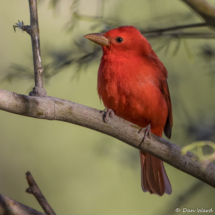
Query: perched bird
132	83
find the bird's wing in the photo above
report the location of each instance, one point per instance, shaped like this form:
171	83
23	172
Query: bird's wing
169	121
163	86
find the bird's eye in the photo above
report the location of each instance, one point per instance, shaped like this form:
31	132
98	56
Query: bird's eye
119	39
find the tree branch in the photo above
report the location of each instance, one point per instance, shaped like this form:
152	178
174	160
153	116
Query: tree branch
11	207
51	108
204	9
33	31
38	90
186	35
35	190
160	31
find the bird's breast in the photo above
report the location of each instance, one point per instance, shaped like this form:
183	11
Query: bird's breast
129	91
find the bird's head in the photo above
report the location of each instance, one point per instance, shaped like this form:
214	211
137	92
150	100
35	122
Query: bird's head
122	40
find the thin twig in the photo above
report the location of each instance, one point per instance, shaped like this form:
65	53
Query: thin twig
33	31
160	31
35	190
51	108
187	35
38	90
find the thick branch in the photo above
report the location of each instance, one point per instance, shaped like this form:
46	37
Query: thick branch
11	207
35	190
51	108
35	39
204	9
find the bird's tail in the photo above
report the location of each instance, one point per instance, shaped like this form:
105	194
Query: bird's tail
153	175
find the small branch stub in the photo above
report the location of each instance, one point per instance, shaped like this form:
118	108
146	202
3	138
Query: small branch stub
35	190
23	27
38	90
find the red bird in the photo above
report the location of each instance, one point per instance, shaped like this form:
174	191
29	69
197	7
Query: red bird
132	82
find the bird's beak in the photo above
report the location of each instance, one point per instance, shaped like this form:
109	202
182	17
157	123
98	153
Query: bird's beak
98	38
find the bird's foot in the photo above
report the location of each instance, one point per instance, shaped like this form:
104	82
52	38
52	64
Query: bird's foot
107	113
147	133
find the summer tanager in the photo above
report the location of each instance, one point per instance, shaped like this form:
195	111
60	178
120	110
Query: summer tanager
132	83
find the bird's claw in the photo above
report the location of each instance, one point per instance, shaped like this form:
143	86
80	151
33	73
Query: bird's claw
107	113
147	133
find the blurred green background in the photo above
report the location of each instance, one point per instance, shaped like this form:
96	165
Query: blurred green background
82	171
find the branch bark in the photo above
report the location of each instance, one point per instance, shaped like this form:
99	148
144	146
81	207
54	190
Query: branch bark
11	207
52	108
